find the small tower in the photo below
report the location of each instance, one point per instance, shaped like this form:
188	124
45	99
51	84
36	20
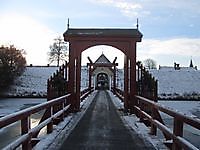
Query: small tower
191	64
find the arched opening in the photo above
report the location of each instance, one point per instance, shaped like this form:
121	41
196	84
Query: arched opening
109	51
94	53
102	81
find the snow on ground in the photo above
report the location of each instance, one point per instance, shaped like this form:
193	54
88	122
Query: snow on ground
183	83
33	82
173	84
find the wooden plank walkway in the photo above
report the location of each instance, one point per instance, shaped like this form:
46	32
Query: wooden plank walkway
102	129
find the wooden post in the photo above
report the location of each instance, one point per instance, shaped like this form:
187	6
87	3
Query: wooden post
62	71
138	83
90	77
49	110
50	125
178	131
48	90
153	127
114	79
156	91
126	81
142	86
25	126
78	82
133	77
141	105
66	71
71	77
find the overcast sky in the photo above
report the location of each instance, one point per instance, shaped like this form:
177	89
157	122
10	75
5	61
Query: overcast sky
171	29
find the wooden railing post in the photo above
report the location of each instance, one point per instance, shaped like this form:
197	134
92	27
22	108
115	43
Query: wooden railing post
141	105
49	125
66	71
25	126
63	114
153	127
178	131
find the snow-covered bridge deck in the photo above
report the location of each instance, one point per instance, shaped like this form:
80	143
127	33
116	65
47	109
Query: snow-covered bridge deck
102	128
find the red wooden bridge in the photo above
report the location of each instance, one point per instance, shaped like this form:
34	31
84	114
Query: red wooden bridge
101	126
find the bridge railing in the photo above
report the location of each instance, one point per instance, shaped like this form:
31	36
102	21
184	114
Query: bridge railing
86	92
57	84
118	92
149	110
179	142
27	133
147	85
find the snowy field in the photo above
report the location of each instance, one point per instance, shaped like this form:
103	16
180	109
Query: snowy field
172	83
179	84
33	82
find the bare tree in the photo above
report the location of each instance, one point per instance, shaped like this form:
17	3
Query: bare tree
58	51
150	63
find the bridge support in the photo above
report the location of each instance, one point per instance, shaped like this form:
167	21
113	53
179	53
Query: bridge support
74	78
78	82
130	78
132	75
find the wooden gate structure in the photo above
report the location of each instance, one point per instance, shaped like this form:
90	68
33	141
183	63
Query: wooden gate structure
102	66
123	39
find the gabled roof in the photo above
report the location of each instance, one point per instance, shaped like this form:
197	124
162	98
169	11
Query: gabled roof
102	60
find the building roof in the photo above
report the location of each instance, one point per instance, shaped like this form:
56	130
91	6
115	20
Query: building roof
102	60
135	33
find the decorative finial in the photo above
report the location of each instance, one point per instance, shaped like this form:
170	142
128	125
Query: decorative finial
67	23
137	25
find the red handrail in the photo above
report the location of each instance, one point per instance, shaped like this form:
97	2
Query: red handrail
24	116
179	141
176	135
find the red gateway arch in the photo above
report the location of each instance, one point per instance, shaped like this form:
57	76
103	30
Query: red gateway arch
123	39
